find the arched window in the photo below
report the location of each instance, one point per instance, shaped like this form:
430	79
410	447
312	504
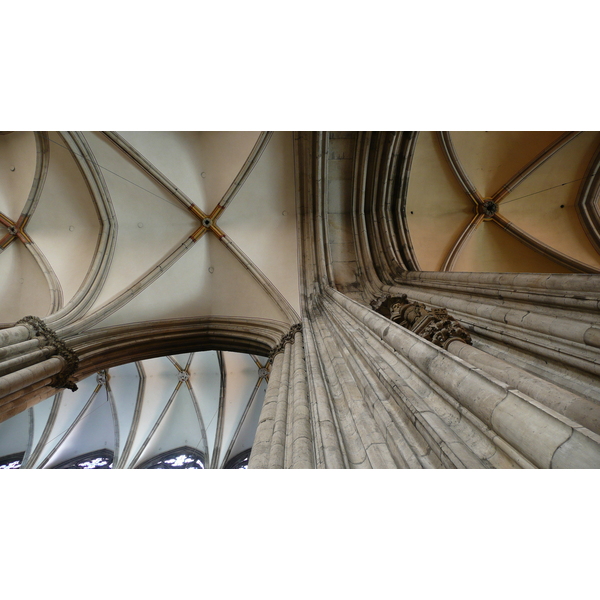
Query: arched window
180	458
240	461
99	459
12	461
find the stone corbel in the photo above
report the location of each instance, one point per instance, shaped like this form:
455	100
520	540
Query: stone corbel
434	325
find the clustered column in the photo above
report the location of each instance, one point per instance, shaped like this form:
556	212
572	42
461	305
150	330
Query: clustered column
545	437
32	360
284	435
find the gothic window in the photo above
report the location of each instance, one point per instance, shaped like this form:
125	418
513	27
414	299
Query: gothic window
240	461
99	459
12	461
180	458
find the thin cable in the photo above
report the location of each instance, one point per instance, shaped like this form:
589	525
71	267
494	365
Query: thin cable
116	174
80	420
534	193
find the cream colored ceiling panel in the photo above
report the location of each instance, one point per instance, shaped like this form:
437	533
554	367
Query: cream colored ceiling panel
189	288
65	224
437	208
161	382
247	432
94	431
124	382
491	249
491	158
202	164
151	223
41	414
182	359
242	375
261	219
179	427
17	169
14	434
71	405
23	287
550	215
205	379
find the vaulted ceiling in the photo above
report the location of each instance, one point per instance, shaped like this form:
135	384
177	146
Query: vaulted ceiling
169	226
243	181
537	182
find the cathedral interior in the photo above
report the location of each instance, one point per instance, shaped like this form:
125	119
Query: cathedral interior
307	300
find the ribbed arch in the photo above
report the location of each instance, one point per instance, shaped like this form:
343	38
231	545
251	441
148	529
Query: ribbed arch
104	348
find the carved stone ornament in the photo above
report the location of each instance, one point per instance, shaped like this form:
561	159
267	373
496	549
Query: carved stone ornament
434	325
287	338
49	337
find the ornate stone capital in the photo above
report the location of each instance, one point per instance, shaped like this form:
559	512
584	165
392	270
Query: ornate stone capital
434	325
287	338
48	337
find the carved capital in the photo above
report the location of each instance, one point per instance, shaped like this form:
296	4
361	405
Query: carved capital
432	324
287	338
48	337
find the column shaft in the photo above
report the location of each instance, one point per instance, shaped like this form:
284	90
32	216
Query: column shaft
278	439
301	434
25	377
14	335
24	360
581	410
259	457
540	434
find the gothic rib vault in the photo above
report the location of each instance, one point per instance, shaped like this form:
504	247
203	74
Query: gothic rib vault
359	300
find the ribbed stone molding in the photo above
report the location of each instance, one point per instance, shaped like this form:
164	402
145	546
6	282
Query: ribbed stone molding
284	438
545	323
542	436
582	410
415	317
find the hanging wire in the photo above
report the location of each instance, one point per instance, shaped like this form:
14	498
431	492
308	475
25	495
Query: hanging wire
545	190
116	174
80	420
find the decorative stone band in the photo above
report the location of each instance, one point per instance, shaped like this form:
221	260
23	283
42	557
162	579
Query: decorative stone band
434	325
287	338
41	330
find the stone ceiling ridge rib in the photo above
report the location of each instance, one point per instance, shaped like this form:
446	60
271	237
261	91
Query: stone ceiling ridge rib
98	271
588	202
483	213
65	434
151	170
136	416
252	160
540	159
41	170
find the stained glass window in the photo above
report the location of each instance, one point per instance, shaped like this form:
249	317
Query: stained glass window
99	459
240	461
12	461
180	458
